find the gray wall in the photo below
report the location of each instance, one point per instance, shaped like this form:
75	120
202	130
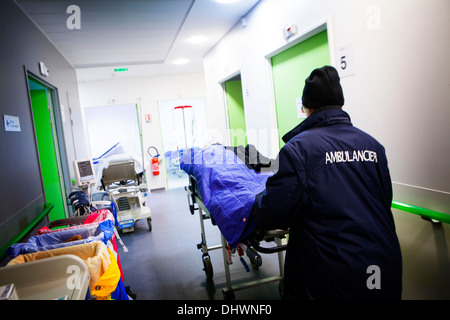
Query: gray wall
399	94
22	44
425	246
426	257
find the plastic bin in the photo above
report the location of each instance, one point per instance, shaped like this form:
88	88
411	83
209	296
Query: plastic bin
104	274
64	277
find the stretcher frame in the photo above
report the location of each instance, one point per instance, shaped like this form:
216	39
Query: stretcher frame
252	243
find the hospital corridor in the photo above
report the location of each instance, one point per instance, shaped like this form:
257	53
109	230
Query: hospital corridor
207	151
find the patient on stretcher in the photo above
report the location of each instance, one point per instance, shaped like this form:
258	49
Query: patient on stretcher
227	187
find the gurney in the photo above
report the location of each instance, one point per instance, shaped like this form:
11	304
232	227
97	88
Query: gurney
223	189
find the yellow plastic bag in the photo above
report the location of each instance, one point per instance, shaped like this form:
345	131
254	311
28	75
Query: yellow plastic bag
107	283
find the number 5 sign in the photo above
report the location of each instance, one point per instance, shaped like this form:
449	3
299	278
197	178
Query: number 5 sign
345	60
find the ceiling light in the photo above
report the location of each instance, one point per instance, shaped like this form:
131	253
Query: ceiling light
181	61
196	39
227	1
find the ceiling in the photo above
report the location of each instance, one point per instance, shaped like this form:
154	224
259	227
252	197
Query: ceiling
146	37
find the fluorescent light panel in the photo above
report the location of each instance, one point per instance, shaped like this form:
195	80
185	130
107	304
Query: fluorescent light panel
181	61
196	39
226	1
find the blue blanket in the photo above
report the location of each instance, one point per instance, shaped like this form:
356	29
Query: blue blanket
227	187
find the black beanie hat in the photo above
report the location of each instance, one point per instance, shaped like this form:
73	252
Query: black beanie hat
323	88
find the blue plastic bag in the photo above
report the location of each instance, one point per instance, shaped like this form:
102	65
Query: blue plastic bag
101	232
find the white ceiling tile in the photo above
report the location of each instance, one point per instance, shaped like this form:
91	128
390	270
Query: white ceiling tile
134	32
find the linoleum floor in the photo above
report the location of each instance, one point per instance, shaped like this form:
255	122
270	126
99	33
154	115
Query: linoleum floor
165	264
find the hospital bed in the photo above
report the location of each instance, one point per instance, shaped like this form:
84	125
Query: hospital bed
222	189
124	186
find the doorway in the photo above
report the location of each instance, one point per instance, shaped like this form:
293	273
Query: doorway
50	143
236	112
290	68
114	130
183	126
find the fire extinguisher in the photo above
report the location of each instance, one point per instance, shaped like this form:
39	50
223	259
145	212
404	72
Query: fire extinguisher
155	161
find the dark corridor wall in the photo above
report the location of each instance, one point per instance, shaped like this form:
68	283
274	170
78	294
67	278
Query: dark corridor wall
23	46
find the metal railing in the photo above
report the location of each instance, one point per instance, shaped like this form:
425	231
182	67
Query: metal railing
431	214
45	211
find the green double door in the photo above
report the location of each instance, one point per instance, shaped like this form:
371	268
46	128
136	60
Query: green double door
290	68
41	102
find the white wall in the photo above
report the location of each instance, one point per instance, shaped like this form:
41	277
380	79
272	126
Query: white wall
146	91
399	93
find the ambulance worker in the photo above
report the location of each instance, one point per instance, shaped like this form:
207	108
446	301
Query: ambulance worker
333	191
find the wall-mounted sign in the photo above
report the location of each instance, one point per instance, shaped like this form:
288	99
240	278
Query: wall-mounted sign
43	69
12	123
300	113
345	62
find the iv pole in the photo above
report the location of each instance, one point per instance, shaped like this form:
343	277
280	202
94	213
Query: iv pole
184	124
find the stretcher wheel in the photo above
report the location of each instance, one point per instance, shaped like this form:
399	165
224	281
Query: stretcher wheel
256	262
228	295
207	267
149	222
255	258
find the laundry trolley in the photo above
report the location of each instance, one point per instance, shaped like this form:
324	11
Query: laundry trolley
125	188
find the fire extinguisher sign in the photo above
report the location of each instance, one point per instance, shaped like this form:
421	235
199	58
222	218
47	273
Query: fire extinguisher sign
148	118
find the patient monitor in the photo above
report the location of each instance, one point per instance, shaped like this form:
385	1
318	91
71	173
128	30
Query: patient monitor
84	172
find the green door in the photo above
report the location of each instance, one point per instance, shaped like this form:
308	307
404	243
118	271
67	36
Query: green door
236	114
290	69
47	150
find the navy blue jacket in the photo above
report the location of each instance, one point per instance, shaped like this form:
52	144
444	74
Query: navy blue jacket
333	190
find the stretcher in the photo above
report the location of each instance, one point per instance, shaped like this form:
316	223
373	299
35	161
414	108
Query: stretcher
215	164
